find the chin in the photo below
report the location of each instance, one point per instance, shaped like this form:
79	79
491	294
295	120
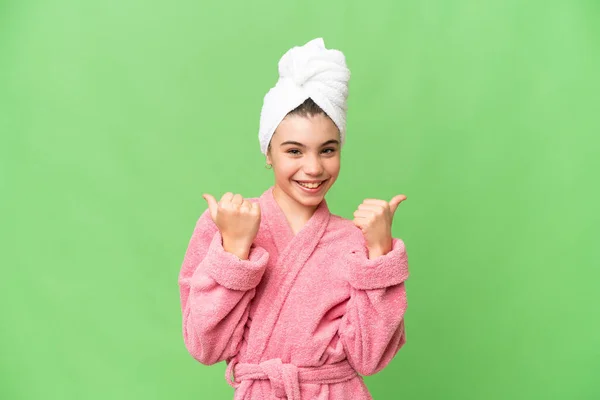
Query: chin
310	202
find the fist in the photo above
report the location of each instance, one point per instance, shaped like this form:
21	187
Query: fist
374	218
238	221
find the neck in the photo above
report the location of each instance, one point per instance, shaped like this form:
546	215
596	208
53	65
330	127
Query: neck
296	214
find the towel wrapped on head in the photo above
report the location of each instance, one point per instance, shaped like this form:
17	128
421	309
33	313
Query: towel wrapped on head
309	71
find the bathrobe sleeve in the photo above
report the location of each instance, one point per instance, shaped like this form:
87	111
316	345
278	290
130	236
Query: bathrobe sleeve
372	329
216	288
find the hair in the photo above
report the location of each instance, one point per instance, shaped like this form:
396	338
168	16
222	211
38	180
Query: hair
307	109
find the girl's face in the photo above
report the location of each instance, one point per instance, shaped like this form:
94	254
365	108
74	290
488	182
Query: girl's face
305	154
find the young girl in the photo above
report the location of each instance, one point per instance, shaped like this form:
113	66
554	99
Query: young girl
299	302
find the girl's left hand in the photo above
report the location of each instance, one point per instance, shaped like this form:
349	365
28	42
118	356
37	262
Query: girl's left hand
374	218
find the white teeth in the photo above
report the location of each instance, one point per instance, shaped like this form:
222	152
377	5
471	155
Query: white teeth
310	185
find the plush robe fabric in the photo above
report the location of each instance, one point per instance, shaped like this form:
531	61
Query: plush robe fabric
304	317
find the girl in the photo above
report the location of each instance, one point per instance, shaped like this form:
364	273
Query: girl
299	302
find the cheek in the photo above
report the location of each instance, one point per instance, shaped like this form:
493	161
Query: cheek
333	166
284	171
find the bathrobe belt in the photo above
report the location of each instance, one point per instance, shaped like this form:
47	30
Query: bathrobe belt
286	378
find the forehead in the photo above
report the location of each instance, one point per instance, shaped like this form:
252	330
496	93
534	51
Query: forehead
314	129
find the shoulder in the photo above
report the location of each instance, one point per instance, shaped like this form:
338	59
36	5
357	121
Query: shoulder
205	224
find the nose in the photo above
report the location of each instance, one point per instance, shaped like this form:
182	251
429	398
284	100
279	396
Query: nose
313	166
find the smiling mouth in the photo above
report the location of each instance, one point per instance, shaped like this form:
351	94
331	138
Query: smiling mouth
310	185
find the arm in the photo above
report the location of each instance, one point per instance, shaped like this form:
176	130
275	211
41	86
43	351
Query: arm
372	330
216	288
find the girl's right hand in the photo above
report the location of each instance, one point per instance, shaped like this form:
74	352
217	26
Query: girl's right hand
238	221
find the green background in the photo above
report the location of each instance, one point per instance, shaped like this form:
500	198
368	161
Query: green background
115	117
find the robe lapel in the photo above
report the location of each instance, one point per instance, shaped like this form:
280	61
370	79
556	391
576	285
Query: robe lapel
278	226
293	252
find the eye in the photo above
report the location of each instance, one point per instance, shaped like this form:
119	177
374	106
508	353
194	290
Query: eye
294	152
329	150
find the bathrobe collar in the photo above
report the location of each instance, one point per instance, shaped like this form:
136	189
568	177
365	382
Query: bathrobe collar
293	253
282	232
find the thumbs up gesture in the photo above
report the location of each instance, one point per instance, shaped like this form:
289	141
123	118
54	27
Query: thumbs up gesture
238	221
374	218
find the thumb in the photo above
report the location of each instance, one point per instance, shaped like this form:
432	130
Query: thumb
395	202
212	205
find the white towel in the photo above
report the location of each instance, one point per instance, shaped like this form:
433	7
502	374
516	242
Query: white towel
307	71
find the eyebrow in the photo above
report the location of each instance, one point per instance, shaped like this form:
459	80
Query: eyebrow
332	141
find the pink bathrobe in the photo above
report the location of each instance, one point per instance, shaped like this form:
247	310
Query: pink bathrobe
304	317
